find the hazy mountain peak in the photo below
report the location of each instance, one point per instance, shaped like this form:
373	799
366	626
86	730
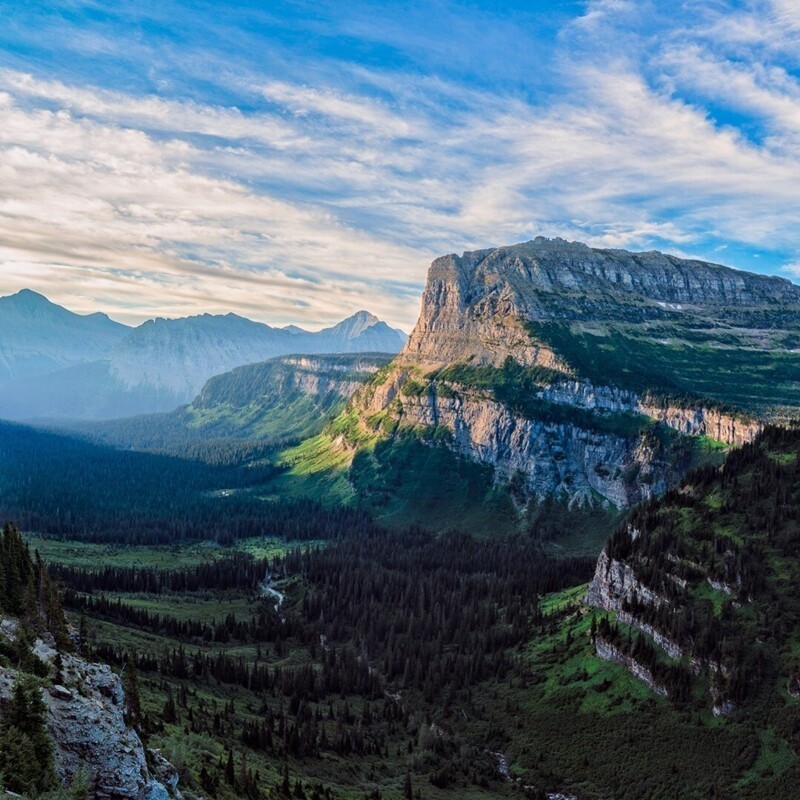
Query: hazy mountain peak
353	325
29	295
38	336
26	300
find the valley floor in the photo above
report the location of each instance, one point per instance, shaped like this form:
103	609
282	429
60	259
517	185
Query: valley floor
239	697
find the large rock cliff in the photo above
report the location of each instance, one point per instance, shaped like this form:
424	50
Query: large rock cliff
86	720
590	376
475	305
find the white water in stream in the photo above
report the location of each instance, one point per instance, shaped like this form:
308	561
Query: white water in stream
268	590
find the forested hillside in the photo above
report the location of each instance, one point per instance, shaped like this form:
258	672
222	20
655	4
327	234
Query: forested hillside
66	486
708	575
275	402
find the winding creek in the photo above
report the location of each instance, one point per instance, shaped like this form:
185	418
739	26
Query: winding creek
268	590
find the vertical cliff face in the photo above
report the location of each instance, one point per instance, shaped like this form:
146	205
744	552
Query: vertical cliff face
590	374
547	457
471	312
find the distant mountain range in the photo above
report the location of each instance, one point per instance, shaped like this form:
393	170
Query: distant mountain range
38	337
57	364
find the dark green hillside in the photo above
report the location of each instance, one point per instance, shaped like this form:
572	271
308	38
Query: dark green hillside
66	486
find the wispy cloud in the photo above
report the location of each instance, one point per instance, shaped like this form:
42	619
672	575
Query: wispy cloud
302	193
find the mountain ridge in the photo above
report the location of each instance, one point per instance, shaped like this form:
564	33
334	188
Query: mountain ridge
590	376
51	337
284	398
157	366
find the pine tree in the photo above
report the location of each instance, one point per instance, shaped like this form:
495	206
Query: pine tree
25	745
79	788
58	666
170	713
230	775
83	634
286	788
133	701
18	766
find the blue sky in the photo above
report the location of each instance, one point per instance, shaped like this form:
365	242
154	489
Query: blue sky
298	161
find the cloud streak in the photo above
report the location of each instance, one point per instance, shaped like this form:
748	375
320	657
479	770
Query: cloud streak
302	194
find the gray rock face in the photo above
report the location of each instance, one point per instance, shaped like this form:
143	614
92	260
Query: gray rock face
615	582
86	720
698	420
608	652
555	460
669	646
472	303
89	730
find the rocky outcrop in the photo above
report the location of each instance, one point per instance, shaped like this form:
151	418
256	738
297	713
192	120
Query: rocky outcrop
696	420
85	717
733	429
723	708
608	652
615	582
616	588
669	646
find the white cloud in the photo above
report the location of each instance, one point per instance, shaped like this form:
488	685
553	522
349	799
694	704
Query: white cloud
331	195
95	196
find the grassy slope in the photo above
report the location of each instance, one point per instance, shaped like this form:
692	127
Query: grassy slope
677	361
401	480
295	415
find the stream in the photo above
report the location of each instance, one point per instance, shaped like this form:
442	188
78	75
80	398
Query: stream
268	590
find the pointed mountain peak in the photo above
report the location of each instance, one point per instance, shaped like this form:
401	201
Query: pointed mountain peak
364	316
354	325
27	298
27	304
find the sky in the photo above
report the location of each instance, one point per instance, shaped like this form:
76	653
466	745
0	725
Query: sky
297	161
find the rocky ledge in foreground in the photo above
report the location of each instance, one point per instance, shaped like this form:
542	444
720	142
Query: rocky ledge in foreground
86	720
